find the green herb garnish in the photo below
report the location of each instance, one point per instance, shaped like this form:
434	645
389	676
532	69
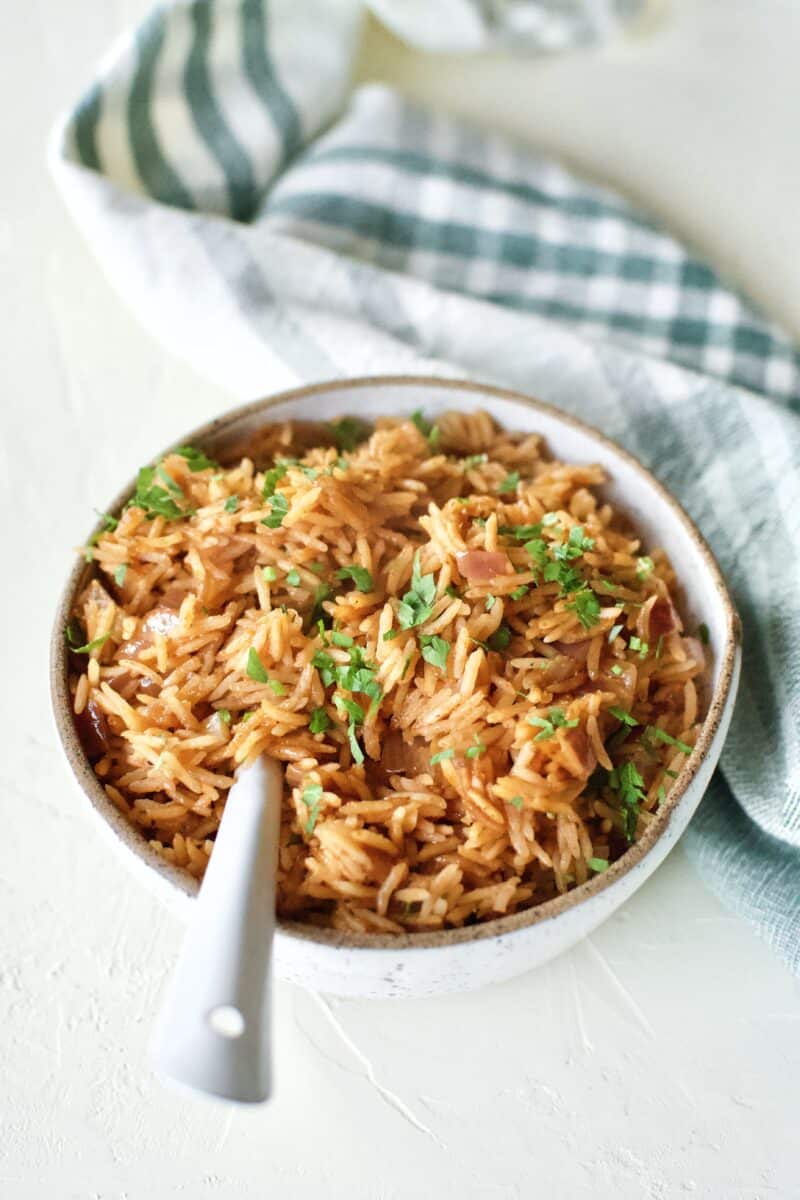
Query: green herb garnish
510	483
311	797
320	721
341	639
348	432
490	602
474	460
272	478
435	650
644	567
269	573
598	864
476	750
120	573
293	578
196	460
280	507
277	687
574	546
623	716
390	635
255	668
232	504
155	500
417	604
516	802
639	646
443	755
95	644
586	606
519	592
224	715
660	735
549	725
616	669
359	575
629	785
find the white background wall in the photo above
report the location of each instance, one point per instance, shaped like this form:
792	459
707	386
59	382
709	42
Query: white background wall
660	1059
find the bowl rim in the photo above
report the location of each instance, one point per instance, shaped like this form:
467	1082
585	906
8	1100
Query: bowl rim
181	881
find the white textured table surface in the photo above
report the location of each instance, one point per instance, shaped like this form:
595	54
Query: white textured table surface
660	1059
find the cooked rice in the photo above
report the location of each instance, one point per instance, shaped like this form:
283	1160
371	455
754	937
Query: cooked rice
537	787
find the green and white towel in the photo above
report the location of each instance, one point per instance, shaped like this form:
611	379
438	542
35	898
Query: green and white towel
271	229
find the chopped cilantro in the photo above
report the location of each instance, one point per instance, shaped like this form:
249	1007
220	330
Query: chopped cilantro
586	606
510	483
565	575
476	750
443	755
277	687
574	546
196	460
616	669
293	578
232	504
661	735
154	500
317	567
120	573
598	864
341	639
406	665
435	650
280	507
269	573
355	749
516	802
390	635
519	592
417	604
452	592
644	567
661	794
255	668
431	432
359	575
95	644
548	726
474	460
320	721
167	479
639	646
623	716
490	602
521	532
629	785
348	432
271	480
311	797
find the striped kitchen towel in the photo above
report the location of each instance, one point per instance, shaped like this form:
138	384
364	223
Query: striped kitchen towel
271	229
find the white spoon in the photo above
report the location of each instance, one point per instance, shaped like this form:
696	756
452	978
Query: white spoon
213	1032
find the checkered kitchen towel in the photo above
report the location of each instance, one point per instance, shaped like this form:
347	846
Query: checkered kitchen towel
271	230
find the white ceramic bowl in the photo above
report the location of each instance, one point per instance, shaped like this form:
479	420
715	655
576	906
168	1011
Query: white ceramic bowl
458	959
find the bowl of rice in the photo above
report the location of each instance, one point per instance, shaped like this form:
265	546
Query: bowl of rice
496	658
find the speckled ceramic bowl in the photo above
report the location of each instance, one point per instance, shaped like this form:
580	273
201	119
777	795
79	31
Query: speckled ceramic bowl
458	959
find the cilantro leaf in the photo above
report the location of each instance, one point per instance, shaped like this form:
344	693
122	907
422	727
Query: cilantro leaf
95	644
510	483
120	573
155	500
293	578
311	797
548	725
417	604
196	460
623	716
269	573
516	802
435	650
586	606
443	755
255	668
629	785
272	478
661	735
232	504
320	721
644	567
348	432
474	460
280	507
598	864
359	575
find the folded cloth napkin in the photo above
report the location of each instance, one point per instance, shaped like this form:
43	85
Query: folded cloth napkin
271	232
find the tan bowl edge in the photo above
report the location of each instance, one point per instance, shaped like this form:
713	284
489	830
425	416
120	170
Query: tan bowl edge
62	707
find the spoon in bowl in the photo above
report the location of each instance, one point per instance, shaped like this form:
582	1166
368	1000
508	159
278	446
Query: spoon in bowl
213	1032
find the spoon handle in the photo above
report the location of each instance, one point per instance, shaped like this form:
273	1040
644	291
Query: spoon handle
213	1033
